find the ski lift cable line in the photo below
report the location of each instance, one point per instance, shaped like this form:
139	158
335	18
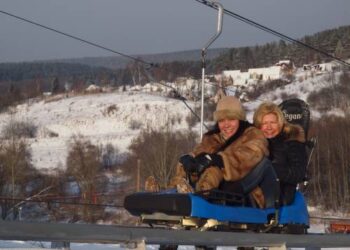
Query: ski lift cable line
78	38
59	202
178	95
183	99
95	45
273	32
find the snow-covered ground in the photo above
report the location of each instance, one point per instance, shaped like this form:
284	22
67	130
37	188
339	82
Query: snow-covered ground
301	87
114	118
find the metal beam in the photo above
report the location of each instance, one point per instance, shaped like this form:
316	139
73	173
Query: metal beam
88	233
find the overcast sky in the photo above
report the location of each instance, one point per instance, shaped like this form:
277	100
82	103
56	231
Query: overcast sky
153	26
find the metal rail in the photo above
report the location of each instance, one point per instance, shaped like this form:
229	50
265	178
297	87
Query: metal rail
88	233
204	51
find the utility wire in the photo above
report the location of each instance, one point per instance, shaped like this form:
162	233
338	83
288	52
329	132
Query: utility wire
121	54
77	38
271	31
183	99
177	96
58	202
104	48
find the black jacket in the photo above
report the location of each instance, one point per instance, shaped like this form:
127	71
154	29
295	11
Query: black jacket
289	159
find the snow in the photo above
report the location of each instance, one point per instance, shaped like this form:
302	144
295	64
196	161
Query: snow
301	87
101	118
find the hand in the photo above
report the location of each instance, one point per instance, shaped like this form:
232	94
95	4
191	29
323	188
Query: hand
205	160
188	163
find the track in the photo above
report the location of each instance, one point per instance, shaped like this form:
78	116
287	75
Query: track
86	233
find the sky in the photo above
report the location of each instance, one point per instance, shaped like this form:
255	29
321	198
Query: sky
136	27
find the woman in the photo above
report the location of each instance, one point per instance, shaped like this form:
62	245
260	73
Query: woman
228	152
286	146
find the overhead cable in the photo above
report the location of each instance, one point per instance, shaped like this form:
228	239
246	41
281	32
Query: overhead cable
177	95
101	47
271	31
38	200
77	38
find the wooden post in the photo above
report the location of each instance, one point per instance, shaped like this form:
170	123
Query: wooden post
138	175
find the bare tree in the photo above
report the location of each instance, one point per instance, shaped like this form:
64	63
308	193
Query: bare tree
15	170
158	153
330	167
84	164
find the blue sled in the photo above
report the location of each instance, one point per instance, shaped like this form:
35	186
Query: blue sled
295	213
169	206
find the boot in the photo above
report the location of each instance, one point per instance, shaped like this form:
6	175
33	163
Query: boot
184	187
151	184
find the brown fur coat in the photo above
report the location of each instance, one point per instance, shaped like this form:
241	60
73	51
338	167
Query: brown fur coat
239	158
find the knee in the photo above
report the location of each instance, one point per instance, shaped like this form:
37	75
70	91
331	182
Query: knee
209	179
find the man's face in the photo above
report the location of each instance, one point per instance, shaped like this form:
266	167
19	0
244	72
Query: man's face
270	126
228	127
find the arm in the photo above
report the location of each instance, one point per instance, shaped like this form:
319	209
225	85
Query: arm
244	154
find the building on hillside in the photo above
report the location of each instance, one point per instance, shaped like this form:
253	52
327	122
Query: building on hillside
266	74
285	64
278	71
319	68
287	67
236	77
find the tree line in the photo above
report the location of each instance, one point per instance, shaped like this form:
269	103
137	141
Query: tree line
334	41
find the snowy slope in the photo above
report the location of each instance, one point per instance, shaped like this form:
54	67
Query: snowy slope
301	87
118	117
101	118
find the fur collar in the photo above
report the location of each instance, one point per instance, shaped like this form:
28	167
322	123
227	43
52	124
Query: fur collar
293	132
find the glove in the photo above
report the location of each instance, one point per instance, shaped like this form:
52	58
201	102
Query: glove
188	163
205	160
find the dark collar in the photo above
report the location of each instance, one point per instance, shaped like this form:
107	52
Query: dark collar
280	137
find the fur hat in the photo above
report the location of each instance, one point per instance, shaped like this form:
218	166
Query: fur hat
229	107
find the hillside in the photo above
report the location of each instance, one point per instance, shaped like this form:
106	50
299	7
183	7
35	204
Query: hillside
118	117
335	42
114	118
112	70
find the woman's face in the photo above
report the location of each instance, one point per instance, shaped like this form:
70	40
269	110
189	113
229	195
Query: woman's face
270	126
228	127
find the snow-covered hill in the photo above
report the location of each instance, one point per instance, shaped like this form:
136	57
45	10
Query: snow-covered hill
114	118
300	88
118	117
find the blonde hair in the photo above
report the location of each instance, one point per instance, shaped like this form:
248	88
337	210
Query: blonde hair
268	108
